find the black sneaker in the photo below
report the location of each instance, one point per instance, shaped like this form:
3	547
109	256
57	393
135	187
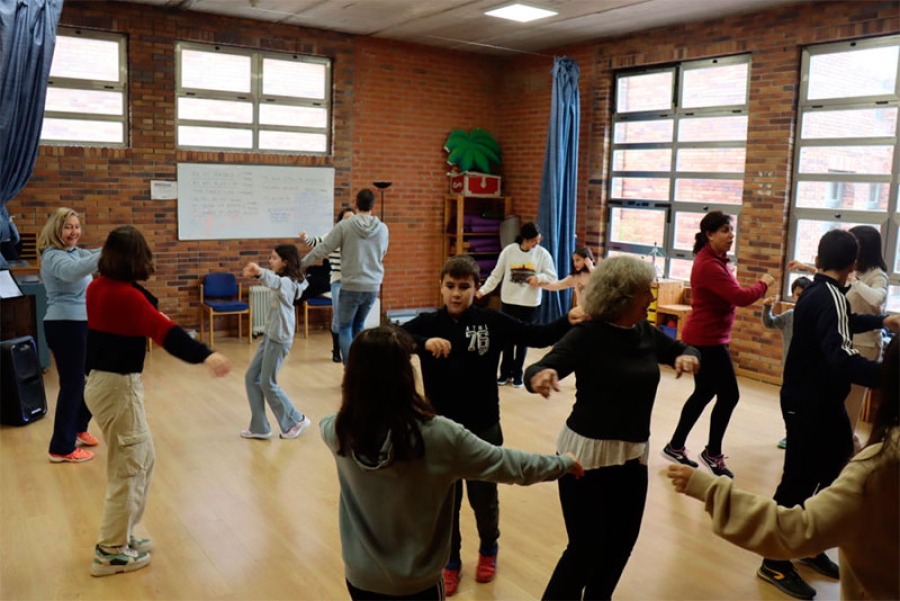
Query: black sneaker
678	456
503	381
716	464
788	581
823	565
517	382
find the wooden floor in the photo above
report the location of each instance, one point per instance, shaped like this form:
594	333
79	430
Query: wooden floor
247	519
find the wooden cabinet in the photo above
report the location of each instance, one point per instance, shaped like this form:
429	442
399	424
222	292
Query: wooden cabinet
480	239
668	311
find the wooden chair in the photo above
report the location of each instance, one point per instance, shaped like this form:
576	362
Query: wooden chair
220	294
317	302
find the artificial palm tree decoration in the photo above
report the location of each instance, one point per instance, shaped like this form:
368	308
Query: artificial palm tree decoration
476	150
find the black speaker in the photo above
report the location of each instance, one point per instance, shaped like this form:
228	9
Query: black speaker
23	400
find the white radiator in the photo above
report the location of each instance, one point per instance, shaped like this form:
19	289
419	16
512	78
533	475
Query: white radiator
260	300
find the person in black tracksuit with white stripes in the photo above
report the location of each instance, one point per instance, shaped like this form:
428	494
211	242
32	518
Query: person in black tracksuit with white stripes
821	364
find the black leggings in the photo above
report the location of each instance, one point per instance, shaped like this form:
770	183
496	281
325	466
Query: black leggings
603	512
715	379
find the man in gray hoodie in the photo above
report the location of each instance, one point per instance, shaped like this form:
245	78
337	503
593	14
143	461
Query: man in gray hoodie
363	240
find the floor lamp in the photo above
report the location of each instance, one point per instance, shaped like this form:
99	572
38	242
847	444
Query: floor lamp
381	185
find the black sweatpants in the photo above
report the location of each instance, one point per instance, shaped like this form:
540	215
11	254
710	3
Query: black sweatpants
514	354
68	341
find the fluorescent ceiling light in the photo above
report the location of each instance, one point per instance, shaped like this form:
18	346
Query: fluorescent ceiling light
521	13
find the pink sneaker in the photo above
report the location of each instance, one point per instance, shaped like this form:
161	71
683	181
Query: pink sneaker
76	456
87	439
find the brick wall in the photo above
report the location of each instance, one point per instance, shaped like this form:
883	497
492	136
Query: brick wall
775	39
394	105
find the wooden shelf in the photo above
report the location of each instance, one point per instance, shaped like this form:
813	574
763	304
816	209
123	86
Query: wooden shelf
456	206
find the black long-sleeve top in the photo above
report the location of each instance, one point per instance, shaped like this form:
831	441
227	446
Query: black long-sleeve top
617	374
821	362
121	316
463	386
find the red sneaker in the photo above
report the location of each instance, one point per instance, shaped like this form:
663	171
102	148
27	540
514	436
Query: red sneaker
487	568
451	581
77	456
87	439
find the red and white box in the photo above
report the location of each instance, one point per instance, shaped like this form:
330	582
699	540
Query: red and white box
472	183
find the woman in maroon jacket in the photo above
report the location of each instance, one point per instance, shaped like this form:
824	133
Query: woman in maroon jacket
716	294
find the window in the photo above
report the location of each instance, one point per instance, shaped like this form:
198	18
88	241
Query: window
231	99
86	99
679	147
845	167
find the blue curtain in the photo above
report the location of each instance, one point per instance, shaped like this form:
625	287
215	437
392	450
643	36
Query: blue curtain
559	186
27	39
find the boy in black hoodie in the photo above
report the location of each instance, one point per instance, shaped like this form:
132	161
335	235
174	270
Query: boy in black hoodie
821	364
459	348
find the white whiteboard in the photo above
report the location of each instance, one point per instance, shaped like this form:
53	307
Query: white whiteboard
222	202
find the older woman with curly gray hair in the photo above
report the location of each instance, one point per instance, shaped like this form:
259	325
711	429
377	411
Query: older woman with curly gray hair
616	358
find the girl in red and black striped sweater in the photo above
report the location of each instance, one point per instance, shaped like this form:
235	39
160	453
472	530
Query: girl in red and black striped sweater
121	316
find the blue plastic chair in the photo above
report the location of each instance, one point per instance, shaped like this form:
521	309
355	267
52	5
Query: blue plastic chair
220	294
316	302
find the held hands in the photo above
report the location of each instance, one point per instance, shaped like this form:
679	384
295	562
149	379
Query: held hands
438	347
686	364
769	301
768	279
218	365
533	281
252	270
544	382
680	476
795	265
479	294
576	470
892	322
577	315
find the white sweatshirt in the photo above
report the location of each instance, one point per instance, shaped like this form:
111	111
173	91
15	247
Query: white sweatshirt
514	267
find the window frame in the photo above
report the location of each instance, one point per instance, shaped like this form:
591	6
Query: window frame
677	115
256	97
72	83
886	221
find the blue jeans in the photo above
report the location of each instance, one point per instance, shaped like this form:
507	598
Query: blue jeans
262	387
353	308
335	299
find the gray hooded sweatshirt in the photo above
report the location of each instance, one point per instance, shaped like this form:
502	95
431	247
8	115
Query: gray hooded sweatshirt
363	240
395	516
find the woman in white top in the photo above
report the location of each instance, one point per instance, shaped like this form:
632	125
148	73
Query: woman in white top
867	295
523	267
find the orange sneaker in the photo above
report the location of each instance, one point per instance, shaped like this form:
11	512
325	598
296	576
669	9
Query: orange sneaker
451	581
87	439
487	568
77	456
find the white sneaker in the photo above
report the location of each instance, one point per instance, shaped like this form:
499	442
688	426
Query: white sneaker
298	429
249	434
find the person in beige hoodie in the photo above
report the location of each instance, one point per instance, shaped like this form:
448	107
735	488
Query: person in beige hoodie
859	513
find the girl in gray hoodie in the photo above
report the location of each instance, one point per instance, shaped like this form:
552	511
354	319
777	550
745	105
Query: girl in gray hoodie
397	464
286	280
